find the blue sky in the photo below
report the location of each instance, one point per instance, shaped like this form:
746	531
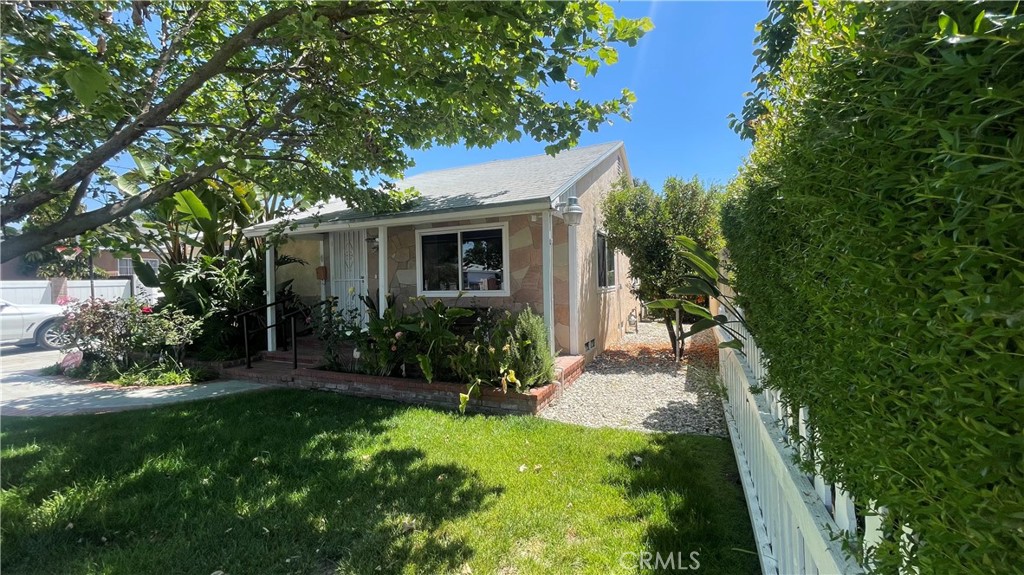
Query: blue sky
689	74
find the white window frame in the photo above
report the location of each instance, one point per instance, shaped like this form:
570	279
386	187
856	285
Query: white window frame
597	264
153	263
505	291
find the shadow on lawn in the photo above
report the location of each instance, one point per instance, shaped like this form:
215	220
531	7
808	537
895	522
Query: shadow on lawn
302	484
704	510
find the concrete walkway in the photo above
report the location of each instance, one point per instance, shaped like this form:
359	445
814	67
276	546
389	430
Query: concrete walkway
24	392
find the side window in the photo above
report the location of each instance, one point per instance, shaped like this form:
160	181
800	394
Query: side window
605	262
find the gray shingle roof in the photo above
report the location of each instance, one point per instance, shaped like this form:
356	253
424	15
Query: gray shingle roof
489	184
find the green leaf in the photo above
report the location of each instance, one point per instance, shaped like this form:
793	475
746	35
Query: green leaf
699	326
665	304
948	25
127	185
426	367
695	285
145	274
88	82
189	203
701	266
691	245
608	55
695	309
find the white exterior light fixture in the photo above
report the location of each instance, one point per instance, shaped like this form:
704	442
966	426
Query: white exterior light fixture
572	212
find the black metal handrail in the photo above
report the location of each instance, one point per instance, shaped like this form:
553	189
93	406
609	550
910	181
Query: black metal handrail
246	335
255	309
290	315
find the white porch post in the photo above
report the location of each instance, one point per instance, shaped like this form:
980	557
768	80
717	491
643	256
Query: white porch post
324	290
547	278
382	269
574	293
271	297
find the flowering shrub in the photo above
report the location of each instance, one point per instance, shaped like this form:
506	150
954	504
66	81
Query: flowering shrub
505	350
104	330
110	331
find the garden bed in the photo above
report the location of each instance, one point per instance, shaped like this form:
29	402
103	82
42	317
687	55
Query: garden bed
417	391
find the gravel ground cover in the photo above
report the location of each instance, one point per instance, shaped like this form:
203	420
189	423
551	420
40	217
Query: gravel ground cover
637	385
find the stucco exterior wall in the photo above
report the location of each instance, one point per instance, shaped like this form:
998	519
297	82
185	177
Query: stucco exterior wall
604	312
304	282
103	259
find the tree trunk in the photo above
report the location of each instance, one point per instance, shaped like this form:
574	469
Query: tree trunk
671	334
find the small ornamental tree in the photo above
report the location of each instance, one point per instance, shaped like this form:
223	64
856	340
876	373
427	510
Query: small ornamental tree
644	225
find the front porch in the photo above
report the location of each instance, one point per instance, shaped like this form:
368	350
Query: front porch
514	261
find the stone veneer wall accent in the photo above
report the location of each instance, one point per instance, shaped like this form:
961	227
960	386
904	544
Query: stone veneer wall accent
525	274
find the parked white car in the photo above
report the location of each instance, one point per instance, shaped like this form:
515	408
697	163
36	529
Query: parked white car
24	324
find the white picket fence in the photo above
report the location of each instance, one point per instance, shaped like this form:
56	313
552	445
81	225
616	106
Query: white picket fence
799	520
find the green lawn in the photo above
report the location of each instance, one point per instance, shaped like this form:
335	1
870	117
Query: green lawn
306	482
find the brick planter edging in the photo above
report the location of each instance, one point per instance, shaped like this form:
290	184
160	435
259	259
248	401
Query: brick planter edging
437	394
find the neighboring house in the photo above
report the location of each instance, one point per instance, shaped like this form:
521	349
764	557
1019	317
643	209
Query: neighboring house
497	232
103	259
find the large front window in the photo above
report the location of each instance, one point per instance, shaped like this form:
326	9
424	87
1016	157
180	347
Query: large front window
463	260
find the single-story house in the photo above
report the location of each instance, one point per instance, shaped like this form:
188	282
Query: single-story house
507	234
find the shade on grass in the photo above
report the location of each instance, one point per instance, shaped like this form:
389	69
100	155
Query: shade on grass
305	482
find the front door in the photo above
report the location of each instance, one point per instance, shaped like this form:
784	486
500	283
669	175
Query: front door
348	271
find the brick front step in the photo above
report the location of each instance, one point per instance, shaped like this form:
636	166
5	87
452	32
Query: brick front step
437	394
306	359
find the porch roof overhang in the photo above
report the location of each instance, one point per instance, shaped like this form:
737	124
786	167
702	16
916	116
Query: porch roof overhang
357	220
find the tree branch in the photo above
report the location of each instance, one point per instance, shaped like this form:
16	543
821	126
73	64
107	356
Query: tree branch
167	54
76	200
17	245
16	208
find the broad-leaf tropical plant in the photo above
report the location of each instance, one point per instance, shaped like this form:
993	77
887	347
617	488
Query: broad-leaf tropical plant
705	281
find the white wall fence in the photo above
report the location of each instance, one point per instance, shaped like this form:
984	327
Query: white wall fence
104	289
46	292
26	292
799	520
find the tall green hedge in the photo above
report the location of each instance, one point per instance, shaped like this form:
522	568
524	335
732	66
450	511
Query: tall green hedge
877	240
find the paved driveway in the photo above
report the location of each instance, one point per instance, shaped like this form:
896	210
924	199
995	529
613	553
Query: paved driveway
23	391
